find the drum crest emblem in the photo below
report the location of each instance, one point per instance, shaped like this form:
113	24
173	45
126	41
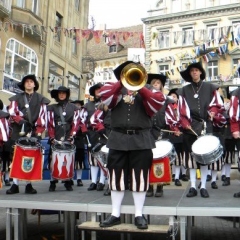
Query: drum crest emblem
158	170
27	164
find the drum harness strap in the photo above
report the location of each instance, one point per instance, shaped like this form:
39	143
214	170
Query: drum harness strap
28	110
63	122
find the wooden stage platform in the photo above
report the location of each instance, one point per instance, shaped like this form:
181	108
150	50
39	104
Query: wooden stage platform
174	204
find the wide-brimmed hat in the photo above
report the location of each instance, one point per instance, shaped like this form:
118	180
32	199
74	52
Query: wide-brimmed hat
54	92
173	90
93	88
160	77
81	102
1	104
32	77
117	71
186	73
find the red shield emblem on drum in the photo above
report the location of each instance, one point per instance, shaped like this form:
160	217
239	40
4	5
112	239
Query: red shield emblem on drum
160	171
27	164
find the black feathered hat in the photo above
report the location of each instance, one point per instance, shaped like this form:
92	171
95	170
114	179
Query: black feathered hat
54	92
173	90
186	73
93	88
1	104
160	77
117	71
32	77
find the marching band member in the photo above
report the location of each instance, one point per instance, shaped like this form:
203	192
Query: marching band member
157	81
130	141
4	136
100	122
79	142
27	110
199	102
235	123
63	123
91	107
172	119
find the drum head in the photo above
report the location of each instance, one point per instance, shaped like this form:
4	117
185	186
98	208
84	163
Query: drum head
66	146
163	148
104	149
27	142
205	144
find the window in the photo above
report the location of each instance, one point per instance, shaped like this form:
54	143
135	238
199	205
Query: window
187	36
74	45
35	6
55	78
74	85
236	66
163	69
107	74
163	39
20	60
58	26
211	31
77	5
113	49
213	70
21	3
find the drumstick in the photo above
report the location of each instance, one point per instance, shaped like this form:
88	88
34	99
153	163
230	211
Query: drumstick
105	136
164	130
193	132
89	144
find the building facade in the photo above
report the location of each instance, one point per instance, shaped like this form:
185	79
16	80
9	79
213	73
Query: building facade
178	32
41	37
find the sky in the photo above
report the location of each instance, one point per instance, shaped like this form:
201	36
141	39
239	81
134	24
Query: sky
119	13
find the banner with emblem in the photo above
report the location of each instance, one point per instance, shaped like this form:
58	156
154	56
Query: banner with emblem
27	164
160	171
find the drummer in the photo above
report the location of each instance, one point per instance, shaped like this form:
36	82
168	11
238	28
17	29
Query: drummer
200	104
63	123
28	111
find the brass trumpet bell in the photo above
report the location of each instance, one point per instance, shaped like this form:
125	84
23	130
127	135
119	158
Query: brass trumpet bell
133	77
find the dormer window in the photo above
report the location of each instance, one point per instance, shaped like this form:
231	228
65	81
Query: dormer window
113	48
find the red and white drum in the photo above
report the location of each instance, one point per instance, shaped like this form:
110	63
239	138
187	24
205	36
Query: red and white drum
163	155
63	157
27	160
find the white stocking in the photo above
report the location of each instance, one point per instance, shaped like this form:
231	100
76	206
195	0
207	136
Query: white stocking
102	176
223	171
183	169
79	173
94	173
214	175
193	177
139	199
227	169
15	181
177	172
204	173
117	197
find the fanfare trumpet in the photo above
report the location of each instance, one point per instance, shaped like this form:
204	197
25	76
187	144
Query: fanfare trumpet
133	76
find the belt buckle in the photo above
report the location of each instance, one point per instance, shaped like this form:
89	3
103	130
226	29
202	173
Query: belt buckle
59	123
130	132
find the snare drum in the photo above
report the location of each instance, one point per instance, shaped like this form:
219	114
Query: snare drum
62	164
27	160
164	148
207	149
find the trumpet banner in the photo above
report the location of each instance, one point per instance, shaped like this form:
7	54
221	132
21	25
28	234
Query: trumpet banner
160	171
27	164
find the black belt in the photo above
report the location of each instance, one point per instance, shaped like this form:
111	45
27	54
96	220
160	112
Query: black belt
129	131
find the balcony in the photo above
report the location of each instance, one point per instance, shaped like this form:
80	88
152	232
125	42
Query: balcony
32	21
5	8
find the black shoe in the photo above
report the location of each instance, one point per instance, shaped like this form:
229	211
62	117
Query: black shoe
79	183
184	178
150	191
71	182
204	193
199	185
100	187
226	181
214	185
68	185
92	186
107	192
178	183
159	191
141	222
7	183
192	192
14	189
236	195
52	186
110	221
209	178
223	178
29	189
